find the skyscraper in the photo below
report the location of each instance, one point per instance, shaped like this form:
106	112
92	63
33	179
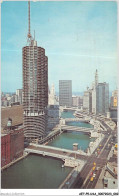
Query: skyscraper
114	99
65	93
94	93
19	95
87	100
35	88
102	98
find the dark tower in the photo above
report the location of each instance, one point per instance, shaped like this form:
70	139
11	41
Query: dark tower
35	88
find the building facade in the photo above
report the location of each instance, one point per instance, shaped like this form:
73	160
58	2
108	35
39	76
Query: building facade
95	83
16	143
75	101
5	149
102	98
87	100
35	91
52	110
65	93
114	99
53	116
12	145
19	95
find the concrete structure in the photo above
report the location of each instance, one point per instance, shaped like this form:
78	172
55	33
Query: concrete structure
94	101
19	95
110	180
87	101
35	89
94	93
102	98
65	93
75	146
53	109
114	99
52	97
113	113
77	101
53	116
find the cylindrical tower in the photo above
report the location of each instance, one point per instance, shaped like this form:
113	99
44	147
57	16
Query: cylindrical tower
35	90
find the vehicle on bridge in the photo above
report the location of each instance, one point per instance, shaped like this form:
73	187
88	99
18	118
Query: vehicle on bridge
91	179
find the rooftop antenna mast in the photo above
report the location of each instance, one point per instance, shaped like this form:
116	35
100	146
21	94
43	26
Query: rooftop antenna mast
29	34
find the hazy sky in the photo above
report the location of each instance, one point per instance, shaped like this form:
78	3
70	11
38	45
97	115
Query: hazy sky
78	37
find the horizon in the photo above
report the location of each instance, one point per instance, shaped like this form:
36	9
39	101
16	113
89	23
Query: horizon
76	44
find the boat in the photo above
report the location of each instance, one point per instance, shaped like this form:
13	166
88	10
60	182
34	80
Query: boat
62	166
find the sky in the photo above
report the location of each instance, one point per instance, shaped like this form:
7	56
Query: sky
78	36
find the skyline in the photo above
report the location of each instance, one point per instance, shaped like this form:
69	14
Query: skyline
75	46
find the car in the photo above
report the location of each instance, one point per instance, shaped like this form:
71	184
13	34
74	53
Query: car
91	179
93	168
91	173
94	175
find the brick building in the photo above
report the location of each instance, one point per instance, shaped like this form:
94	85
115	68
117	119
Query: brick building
5	149
12	145
12	136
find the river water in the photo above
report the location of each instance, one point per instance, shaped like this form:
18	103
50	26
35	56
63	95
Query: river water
66	140
36	172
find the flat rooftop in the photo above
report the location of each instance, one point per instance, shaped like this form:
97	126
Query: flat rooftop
13	112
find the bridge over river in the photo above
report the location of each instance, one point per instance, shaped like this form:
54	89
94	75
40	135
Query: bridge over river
86	130
76	120
63	128
56	152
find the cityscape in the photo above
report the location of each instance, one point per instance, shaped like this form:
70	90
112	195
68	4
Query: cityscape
58	136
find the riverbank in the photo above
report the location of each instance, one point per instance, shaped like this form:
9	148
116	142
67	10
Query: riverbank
15	161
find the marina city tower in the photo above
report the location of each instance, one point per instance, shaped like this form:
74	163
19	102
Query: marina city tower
35	88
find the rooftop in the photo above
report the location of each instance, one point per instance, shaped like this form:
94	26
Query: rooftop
14	112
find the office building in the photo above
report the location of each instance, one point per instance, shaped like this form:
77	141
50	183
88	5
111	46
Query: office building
95	83
114	99
87	100
75	101
19	95
35	89
52	96
102	98
65	93
53	109
53	116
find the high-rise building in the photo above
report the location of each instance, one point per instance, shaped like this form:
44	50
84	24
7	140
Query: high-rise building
87	100
51	96
35	88
75	101
102	98
114	99
53	110
65	93
19	95
94	92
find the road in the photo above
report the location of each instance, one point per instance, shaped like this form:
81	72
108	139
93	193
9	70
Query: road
83	180
77	156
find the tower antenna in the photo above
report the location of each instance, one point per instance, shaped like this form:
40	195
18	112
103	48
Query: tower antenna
29	34
34	34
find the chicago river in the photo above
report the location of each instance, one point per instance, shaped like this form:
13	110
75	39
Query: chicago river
47	172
